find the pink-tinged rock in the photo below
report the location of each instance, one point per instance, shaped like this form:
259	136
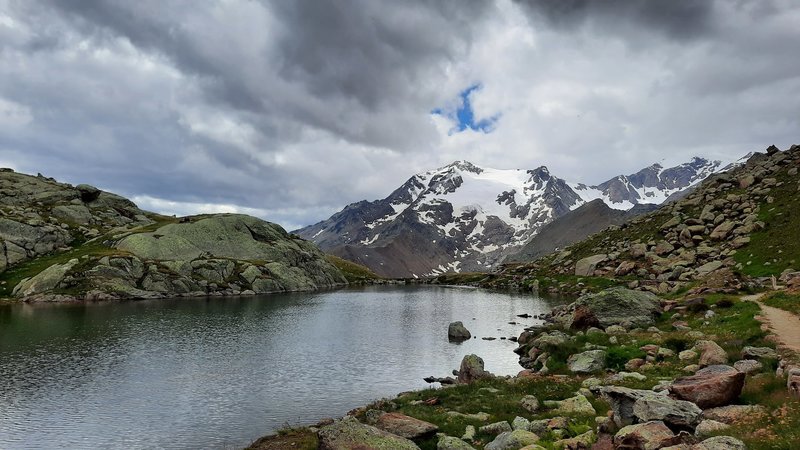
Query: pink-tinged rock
713	386
405	426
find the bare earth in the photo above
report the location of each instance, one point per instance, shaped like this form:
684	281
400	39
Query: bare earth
783	324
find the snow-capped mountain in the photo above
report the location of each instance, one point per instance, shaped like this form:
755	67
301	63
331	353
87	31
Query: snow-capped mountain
462	217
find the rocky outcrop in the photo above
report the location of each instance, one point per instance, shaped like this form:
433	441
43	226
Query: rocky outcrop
713	386
39	216
697	238
614	306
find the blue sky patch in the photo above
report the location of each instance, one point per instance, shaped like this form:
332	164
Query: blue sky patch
464	117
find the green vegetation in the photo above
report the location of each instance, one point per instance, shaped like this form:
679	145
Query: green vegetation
354	273
288	438
96	248
497	397
785	301
461	279
776	247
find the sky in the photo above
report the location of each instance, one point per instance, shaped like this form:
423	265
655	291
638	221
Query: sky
289	110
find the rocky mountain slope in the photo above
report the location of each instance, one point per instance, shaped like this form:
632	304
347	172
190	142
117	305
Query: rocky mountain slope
62	242
462	217
576	225
734	227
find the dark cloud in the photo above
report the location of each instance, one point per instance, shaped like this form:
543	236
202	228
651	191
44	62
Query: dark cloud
295	108
679	19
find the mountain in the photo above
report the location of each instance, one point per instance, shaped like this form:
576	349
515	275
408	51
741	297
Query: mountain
574	226
462	217
63	242
735	229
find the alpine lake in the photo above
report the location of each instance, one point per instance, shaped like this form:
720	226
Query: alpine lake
220	372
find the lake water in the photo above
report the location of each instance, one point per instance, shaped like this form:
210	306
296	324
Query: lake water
220	372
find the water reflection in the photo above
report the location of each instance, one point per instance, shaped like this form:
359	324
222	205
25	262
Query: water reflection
211	373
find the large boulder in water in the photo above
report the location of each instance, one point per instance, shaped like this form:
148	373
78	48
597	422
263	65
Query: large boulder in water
457	332
613	306
349	434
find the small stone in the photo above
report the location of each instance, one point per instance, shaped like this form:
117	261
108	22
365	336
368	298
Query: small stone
748	366
530	403
708	427
512	440
521	423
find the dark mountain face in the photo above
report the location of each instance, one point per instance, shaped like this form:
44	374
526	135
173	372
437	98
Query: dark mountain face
462	217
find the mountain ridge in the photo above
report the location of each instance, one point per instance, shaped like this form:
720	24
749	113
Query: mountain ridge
462	217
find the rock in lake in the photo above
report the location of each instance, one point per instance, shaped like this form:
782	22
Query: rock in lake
457	332
713	386
405	426
349	434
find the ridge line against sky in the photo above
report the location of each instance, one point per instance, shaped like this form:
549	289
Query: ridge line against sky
291	110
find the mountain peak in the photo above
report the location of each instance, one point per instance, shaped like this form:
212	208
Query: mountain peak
464	165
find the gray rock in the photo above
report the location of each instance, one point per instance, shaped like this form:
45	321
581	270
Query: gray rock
495	428
721	443
675	413
617	306
708	427
748	366
452	443
47	280
405	426
759	353
471	369
521	423
530	403
512	440
587	362
456	332
586	266
348	434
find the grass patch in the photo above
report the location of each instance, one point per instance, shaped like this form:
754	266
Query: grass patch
785	301
288	438
353	272
496	397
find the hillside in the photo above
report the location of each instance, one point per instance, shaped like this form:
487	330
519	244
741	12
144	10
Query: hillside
462	217
576	225
63	242
734	227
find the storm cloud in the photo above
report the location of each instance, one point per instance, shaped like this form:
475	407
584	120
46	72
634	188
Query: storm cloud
290	110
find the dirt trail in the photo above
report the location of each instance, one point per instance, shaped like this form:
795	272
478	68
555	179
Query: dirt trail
783	324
